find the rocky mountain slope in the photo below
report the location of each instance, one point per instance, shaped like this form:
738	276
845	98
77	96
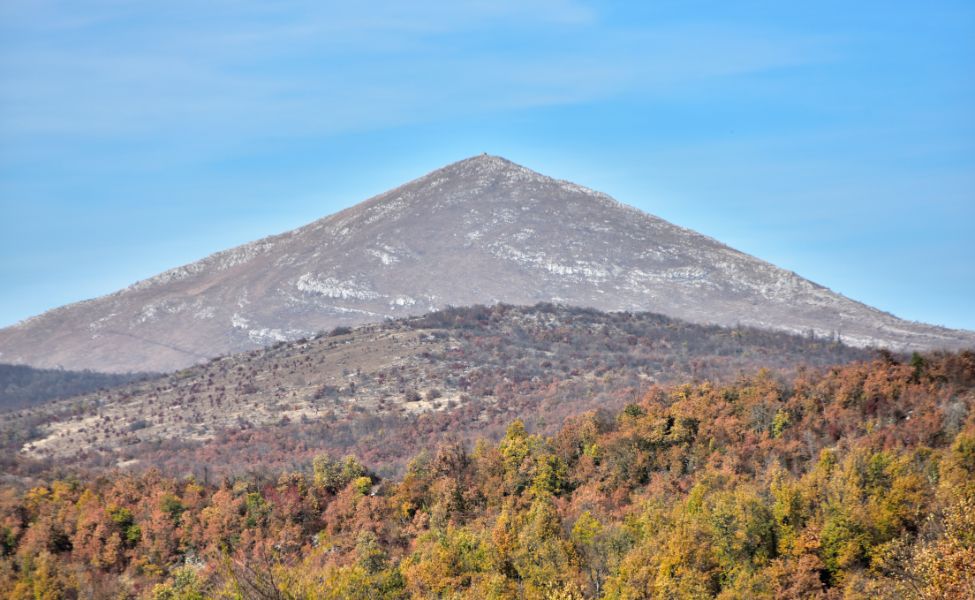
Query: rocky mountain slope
482	230
384	391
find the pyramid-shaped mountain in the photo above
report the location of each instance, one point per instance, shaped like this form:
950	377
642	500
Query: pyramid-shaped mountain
482	230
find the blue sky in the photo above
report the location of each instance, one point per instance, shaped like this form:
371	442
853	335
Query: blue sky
836	139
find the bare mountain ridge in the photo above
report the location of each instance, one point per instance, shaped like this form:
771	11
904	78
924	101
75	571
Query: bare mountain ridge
481	230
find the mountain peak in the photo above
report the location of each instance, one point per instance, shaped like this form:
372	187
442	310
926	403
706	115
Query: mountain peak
486	166
484	161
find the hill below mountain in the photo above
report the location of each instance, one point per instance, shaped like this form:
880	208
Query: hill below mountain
479	231
22	386
385	391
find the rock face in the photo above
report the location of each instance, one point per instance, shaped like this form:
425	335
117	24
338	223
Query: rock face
482	230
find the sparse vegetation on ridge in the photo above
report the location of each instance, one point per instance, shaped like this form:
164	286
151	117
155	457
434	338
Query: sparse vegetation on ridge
387	391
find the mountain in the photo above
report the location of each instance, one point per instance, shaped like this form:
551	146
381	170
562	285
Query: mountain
384	391
482	230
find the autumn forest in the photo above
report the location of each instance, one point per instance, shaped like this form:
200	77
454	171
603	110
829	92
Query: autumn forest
855	481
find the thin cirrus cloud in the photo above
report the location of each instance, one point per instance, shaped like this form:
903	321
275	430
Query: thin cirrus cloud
330	71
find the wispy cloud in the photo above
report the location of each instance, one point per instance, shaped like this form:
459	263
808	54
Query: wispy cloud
251	70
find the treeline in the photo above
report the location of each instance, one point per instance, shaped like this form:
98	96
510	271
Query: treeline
854	482
22	386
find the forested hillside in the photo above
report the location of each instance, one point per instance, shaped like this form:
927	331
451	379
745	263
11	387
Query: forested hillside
22	386
384	392
849	482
